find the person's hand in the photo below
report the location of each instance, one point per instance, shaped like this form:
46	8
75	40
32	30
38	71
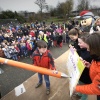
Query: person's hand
81	59
70	46
98	86
98	28
87	64
53	68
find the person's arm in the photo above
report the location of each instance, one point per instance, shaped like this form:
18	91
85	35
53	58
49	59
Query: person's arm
51	62
87	64
98	28
34	59
90	89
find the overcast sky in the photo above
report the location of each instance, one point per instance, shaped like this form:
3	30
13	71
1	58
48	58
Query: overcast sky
29	5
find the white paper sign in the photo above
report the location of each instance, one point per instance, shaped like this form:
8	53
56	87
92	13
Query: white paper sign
19	90
75	68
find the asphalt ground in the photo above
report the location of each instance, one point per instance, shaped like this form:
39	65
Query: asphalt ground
14	76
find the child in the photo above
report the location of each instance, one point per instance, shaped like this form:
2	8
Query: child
18	51
54	39
1	52
85	78
29	47
6	51
23	49
73	35
86	56
13	52
60	40
43	58
92	45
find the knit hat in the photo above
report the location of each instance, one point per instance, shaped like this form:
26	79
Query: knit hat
86	14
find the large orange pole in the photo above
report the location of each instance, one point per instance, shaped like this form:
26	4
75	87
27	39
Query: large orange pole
33	68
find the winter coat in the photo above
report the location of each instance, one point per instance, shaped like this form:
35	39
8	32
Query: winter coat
85	77
45	60
93	88
1	53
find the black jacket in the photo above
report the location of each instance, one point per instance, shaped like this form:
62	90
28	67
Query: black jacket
85	78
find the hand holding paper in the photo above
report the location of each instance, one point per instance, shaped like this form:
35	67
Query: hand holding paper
87	64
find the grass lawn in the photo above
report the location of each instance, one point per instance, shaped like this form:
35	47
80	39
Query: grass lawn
55	20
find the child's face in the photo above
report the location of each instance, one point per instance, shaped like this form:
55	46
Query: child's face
98	22
42	50
73	37
82	44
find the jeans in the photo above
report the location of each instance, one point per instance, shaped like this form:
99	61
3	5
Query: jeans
14	57
46	78
25	53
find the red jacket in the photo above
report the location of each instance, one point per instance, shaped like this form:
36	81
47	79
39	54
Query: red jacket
45	60
92	88
28	46
32	33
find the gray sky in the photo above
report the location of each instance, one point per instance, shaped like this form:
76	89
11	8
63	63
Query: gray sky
22	5
29	5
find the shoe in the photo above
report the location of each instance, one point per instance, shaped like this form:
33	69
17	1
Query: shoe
48	91
38	85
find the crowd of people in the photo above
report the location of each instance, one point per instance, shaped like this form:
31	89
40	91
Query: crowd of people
20	40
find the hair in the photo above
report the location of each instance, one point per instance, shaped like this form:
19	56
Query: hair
73	31
41	44
97	20
93	41
84	36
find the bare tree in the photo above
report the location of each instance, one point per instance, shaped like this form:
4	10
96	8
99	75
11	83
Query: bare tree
83	5
42	5
65	7
69	6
